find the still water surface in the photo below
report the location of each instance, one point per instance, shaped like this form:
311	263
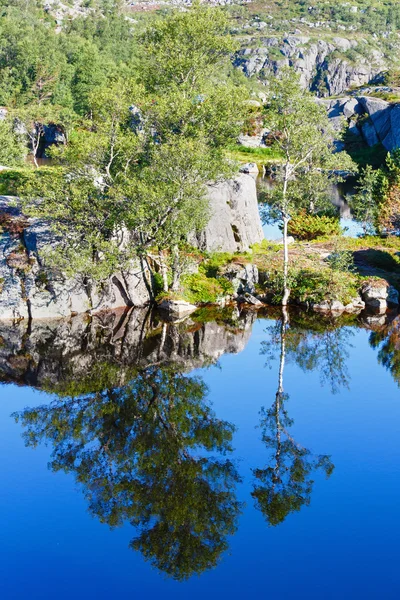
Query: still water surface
239	458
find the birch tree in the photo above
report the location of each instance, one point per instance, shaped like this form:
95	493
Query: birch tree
299	129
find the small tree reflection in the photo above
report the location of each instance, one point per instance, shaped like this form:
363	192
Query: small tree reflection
285	484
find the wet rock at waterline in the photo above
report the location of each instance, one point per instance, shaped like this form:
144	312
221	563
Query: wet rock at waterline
336	307
177	309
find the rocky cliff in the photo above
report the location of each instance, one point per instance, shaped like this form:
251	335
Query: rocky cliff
29	290
326	67
374	119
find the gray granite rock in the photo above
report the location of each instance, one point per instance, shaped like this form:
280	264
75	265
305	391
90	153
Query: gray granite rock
37	292
235	222
378	294
242	277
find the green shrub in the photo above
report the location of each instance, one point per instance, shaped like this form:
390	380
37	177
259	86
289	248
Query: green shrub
324	284
312	285
309	227
200	289
13	180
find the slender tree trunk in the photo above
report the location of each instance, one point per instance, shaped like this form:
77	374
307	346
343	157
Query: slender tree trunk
175	269
279	397
164	271
286	290
285	320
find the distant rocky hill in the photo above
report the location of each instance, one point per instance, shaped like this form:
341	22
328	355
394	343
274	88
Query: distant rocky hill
333	47
325	67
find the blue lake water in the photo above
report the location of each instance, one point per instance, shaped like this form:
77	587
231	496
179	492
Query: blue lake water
248	522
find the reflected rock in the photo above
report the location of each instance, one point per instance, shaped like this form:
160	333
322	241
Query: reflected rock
105	349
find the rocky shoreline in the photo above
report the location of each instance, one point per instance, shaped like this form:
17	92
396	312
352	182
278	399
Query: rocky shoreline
29	290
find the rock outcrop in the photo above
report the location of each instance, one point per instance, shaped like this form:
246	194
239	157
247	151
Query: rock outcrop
325	67
29	290
235	222
376	120
378	294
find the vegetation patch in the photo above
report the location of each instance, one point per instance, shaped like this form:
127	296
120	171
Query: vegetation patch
304	226
200	289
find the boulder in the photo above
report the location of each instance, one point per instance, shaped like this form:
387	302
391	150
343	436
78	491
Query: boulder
177	309
392	140
234	223
378	294
253	141
242	277
379	114
355	305
369	133
350	108
337	306
249	168
249	299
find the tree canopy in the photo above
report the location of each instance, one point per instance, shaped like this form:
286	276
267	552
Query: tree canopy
143	140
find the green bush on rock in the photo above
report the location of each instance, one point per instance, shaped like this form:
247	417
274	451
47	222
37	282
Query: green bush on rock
200	289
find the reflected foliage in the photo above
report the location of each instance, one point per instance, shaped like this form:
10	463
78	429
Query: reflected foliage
285	484
315	344
387	342
143	453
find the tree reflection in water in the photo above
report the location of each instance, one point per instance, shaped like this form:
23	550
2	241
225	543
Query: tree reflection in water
143	455
285	484
387	341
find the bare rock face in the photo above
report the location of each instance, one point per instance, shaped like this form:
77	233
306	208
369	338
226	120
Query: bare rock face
235	222
29	290
381	122
314	61
242	277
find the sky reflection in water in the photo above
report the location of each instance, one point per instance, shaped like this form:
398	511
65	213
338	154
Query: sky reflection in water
275	474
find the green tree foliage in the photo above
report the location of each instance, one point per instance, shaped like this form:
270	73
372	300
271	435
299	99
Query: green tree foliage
386	342
376	201
143	453
12	148
314	343
132	178
39	63
367	198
